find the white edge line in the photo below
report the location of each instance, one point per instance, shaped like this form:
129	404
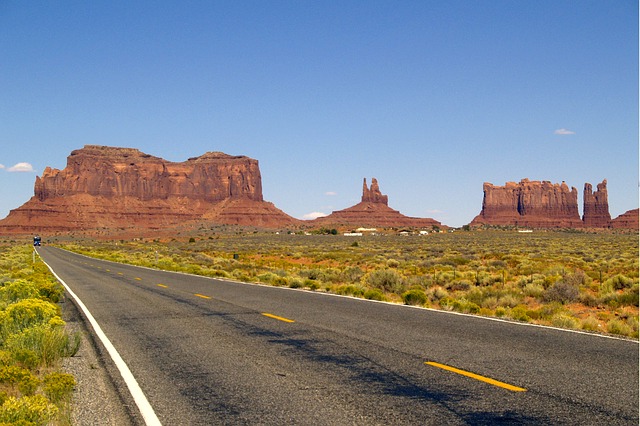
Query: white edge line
439	311
143	404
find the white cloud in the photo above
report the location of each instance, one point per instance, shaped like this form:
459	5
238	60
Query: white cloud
314	215
330	193
1	166
21	167
564	132
434	211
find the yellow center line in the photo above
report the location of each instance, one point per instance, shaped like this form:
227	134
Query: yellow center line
277	317
162	285
202	296
138	279
477	377
120	273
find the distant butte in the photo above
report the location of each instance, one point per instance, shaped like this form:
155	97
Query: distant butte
373	210
538	204
108	187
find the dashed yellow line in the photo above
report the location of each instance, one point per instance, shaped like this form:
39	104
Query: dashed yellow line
162	285
477	377
277	317
138	279
202	296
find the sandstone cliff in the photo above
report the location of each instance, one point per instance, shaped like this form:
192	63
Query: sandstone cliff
107	187
373	211
530	204
627	220
596	206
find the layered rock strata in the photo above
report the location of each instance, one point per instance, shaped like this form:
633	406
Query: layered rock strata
596	206
528	203
373	210
627	220
107	187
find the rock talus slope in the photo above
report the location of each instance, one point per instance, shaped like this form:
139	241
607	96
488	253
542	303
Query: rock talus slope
373	210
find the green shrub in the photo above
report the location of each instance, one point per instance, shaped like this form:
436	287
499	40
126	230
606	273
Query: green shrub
616	326
414	297
350	290
26	313
564	320
296	283
58	387
386	279
619	282
519	313
34	409
14	291
42	344
26	381
374	294
590	324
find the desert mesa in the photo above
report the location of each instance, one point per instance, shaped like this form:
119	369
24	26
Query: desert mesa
105	187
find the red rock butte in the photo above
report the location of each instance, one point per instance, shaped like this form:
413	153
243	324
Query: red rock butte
537	204
373	210
118	188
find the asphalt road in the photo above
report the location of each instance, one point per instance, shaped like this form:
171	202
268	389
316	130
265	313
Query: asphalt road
207	351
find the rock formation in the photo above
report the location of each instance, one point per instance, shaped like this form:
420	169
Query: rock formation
627	220
373	211
530	204
107	187
596	206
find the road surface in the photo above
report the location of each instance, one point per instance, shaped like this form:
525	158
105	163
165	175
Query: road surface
207	351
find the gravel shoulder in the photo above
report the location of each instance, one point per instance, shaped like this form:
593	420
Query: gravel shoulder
100	396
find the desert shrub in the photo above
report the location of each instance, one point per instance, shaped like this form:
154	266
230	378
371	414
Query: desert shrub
616	326
350	290
42	344
26	313
629	297
588	299
619	282
519	313
533	290
392	263
386	280
58	387
267	277
296	283
374	294
509	301
490	302
20	377
460	285
353	274
19	289
590	324
563	292
437	293
414	297
500	312
36	410
564	320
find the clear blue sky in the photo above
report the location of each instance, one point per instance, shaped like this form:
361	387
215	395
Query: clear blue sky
432	98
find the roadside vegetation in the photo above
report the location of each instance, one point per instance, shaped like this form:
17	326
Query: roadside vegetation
33	388
573	280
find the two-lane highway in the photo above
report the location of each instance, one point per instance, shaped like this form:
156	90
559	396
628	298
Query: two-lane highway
208	351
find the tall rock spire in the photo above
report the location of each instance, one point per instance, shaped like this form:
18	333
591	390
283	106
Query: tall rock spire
596	206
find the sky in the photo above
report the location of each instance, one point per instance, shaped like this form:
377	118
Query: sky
431	97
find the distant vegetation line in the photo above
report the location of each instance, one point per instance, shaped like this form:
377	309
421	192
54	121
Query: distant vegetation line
564	279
